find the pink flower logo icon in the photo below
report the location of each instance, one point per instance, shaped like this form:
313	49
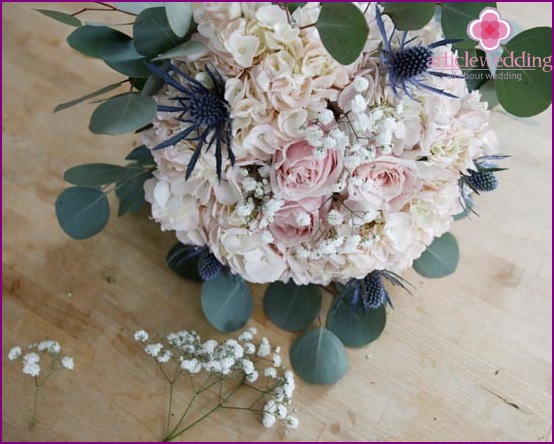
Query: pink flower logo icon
489	29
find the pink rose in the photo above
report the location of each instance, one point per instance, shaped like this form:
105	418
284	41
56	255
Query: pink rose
387	183
296	221
297	174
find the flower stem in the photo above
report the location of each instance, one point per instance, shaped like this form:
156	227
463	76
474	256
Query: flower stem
33	422
180	432
171	386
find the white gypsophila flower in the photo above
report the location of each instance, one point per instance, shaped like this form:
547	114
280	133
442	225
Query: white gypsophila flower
281	411
276	360
247	366
326	116
14	353
270	372
270	406
191	365
320	153
209	346
329	142
249	184
246	336
277	349
238	351
31	369
267	237
335	218
164	356
68	363
31	358
291	422
51	346
314	136
268	420
264	171
153	349
303	219
249	348
359	105
245	209
264	348
252	377
141	336
361	84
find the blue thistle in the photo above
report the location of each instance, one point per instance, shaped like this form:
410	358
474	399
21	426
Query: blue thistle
407	65
483	177
370	293
208	265
205	110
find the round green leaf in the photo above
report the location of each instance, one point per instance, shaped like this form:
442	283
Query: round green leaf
226	302
290	306
184	49
343	31
152	33
135	7
82	212
440	259
130	192
123	114
88	40
356	328
183	260
60	17
533	93
318	357
408	16
455	18
179	17
93	174
488	93
122	56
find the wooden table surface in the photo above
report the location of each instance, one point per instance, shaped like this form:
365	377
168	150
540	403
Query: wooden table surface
467	357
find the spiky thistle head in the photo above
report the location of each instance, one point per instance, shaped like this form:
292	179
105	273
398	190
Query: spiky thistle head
370	292
208	265
205	112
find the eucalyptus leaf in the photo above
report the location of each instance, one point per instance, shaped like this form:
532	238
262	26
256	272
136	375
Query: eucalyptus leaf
355	327
88	40
455	18
135	7
533	93
468	206
183	260
410	15
152	86
130	191
61	17
440	258
141	154
488	93
152	33
318	357
290	306
122	56
179	16
343	31
93	174
101	91
82	212
123	114
293	6
226	302
479	75
184	49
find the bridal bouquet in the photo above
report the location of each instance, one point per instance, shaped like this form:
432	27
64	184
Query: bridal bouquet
299	145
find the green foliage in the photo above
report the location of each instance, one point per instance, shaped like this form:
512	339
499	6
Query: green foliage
354	327
130	191
290	306
343	31
152	33
88	40
123	114
533	93
179	17
93	174
184	49
488	93
182	261
226	302
480	76
101	91
293	6
440	259
142	155
152	86
318	357
455	18
135	7
121	56
60	17
410	15
82	212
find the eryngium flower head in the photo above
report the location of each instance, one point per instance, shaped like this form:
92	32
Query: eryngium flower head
204	110
407	65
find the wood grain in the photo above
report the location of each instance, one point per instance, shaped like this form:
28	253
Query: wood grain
467	358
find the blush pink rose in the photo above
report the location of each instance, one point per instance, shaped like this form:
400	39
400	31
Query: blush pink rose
286	228
297	174
387	183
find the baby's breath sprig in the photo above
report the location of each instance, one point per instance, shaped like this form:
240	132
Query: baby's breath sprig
31	366
240	361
